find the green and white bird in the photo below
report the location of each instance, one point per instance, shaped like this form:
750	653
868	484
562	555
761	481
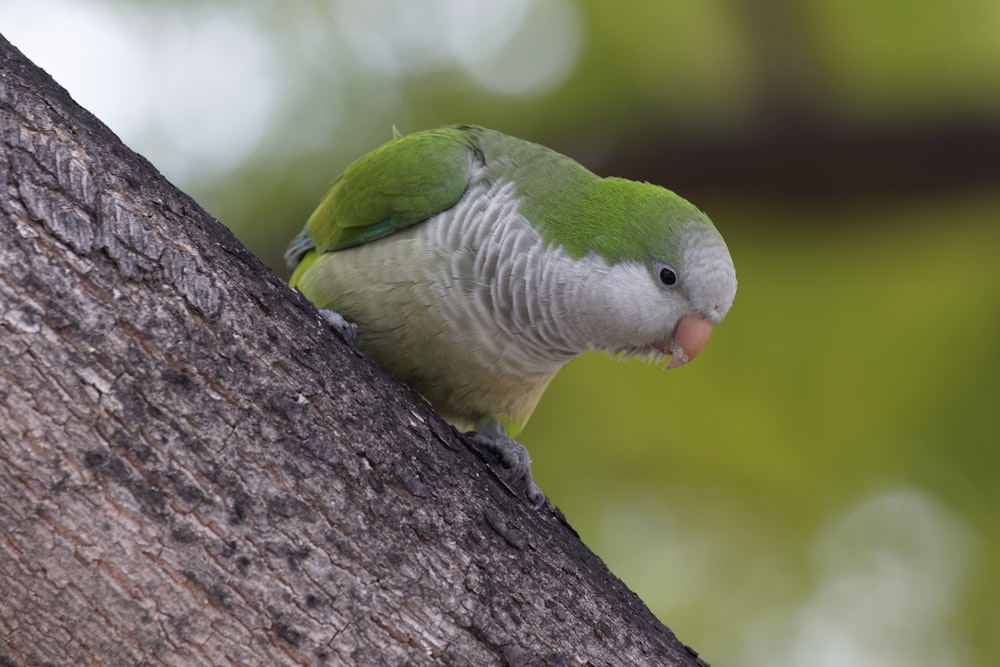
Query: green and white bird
475	265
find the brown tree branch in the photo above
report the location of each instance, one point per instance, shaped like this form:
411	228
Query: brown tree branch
195	471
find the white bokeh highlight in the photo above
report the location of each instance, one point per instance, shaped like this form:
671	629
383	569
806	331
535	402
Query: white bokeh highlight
198	88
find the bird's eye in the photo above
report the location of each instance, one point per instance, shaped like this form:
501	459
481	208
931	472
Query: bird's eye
667	275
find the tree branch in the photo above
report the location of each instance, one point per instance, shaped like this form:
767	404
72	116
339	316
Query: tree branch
196	471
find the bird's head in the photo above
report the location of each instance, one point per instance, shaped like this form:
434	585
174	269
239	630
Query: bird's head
697	292
672	279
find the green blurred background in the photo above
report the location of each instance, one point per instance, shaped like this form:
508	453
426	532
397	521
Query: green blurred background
820	487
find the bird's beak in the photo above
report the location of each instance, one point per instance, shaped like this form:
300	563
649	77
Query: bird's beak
689	337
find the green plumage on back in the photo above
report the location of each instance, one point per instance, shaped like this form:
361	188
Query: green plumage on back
405	181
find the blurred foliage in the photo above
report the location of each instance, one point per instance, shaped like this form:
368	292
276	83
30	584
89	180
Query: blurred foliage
819	487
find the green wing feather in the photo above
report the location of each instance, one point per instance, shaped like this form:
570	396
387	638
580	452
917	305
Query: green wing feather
400	184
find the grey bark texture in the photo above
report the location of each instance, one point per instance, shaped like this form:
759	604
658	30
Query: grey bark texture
194	470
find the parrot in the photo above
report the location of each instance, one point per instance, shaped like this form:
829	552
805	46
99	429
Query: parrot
473	265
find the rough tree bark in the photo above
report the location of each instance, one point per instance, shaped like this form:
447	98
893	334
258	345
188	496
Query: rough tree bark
195	471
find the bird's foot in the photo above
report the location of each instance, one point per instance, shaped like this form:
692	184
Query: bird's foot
349	330
512	455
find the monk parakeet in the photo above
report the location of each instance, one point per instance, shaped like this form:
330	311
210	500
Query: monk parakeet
475	265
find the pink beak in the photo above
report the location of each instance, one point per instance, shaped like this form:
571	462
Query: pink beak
689	337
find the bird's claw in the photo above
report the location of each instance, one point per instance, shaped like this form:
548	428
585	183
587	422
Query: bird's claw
337	322
512	455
